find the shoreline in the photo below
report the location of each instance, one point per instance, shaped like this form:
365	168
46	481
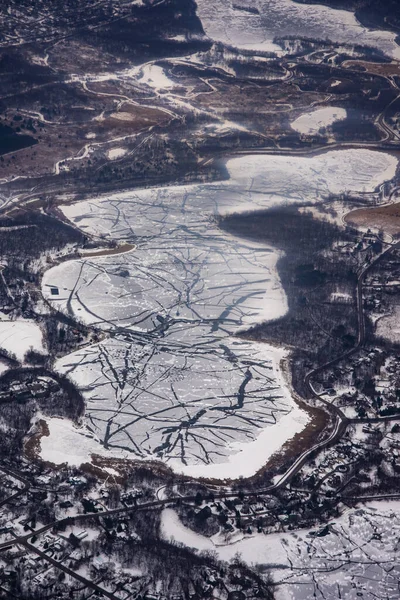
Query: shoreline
296	419
311	427
70	436
101	253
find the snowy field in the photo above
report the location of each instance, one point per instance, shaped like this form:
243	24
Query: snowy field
230	23
115	153
18	337
311	122
172	383
154	76
358	558
253	549
388	326
74	446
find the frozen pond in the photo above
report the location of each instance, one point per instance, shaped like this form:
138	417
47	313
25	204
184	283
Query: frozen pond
313	121
172	383
254	24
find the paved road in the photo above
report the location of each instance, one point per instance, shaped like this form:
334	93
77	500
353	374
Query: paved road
87	582
21	491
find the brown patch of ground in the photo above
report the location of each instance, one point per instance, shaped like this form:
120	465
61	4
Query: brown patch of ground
302	441
85	120
32	446
109	251
41	159
384	69
134	118
124	467
266	109
386	218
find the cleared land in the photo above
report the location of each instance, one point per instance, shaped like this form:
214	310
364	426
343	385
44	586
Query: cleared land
386	218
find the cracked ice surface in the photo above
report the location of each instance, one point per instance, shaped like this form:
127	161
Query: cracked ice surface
230	23
172	382
356	556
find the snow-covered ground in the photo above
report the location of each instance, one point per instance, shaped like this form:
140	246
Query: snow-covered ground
358	558
230	23
154	76
254	550
19	336
388	326
149	74
116	153
313	121
69	444
173	383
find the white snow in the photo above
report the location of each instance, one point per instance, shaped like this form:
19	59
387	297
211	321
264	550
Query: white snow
111	471
18	337
154	76
85	533
3	368
116	153
333	172
258	549
341	297
123	116
73	445
69	444
150	74
313	121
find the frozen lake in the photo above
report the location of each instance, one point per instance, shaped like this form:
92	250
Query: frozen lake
172	383
254	24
